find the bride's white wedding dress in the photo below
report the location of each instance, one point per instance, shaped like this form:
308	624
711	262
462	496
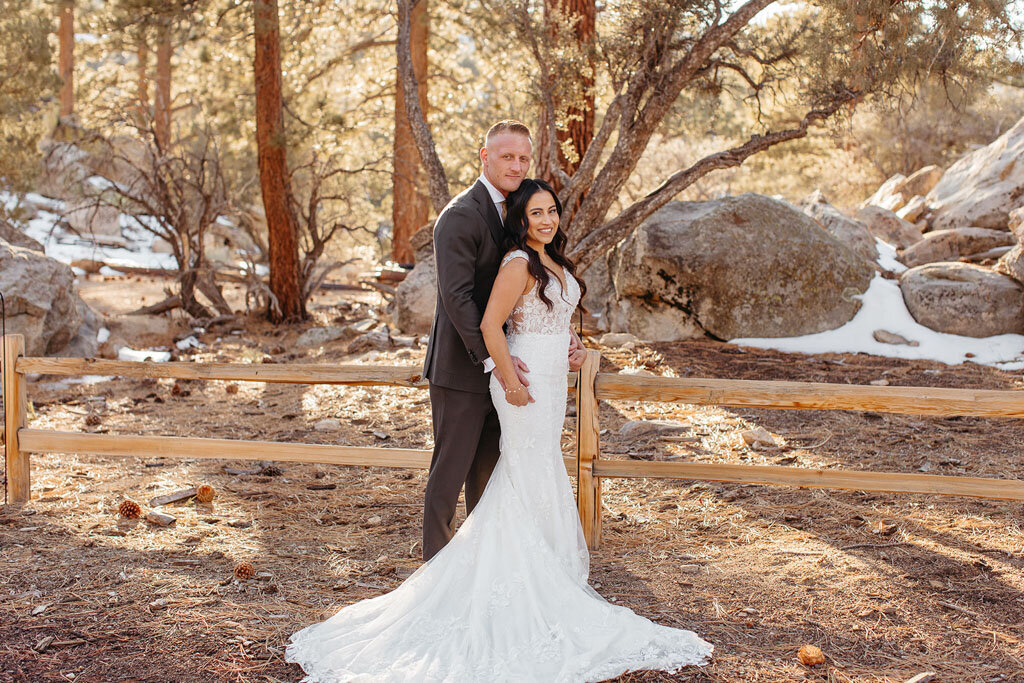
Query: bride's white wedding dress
507	599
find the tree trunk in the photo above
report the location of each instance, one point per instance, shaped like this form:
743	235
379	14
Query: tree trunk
67	57
282	226
162	105
438	181
410	205
579	123
142	76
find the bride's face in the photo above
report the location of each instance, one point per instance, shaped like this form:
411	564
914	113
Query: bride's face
542	220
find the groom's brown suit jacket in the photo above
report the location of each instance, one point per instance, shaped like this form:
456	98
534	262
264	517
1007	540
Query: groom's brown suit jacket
467	239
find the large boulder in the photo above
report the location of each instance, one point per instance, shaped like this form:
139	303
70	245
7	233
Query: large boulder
983	187
41	300
964	299
87	217
950	245
13	235
919	183
747	266
888	227
416	298
600	300
887	196
845	229
1012	262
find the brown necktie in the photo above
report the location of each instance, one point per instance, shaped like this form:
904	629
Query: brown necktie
504	212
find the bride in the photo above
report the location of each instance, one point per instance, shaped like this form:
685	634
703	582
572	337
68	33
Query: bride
507	598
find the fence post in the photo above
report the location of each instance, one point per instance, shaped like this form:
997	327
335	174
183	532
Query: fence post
588	449
18	489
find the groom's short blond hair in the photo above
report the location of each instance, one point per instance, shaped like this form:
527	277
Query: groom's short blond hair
507	126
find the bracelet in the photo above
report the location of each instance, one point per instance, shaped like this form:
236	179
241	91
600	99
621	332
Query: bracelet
516	390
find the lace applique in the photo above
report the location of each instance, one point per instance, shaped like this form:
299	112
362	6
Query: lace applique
532	316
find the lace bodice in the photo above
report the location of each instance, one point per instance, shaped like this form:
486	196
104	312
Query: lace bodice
532	316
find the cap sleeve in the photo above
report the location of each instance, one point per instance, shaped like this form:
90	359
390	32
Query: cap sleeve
517	253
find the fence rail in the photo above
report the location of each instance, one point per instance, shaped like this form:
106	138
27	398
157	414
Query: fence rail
590	386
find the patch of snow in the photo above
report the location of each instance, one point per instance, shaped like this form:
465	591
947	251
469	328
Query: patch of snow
882	307
130	354
107	270
103	335
887	257
189	342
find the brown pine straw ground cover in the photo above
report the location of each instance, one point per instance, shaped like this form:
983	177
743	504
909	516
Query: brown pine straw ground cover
888	586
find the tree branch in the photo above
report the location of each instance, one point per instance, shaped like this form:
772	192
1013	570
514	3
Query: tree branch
599	241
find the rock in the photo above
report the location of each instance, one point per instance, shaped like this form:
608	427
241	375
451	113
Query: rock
1012	262
87	218
318	336
887	196
1015	223
416	298
600	299
422	242
913	210
950	245
747	266
850	232
42	303
983	187
886	337
86	342
378	339
635	429
617	339
637	372
919	183
758	437
889	227
14	236
965	299
328	425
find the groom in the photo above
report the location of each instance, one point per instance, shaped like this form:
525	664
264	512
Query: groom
467	248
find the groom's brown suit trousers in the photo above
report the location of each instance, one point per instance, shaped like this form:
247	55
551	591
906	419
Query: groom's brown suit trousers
467	250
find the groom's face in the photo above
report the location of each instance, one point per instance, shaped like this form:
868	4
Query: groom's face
506	159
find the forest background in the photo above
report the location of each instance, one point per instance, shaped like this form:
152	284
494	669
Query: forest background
292	120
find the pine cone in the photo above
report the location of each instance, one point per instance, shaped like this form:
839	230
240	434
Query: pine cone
205	493
811	655
93	419
130	509
244	570
231	388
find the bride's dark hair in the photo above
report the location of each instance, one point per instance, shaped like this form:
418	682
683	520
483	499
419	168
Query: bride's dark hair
516	227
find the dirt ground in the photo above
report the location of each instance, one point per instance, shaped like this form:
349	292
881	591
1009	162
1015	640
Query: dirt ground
888	586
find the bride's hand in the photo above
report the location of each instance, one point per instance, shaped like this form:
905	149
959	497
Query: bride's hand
519	396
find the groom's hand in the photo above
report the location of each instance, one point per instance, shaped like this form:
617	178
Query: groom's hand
577	353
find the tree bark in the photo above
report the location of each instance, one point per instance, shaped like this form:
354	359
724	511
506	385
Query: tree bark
410	207
142	76
282	225
162	104
579	124
642	117
438	182
67	57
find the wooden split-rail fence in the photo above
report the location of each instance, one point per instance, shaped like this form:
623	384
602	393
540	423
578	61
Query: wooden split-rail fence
587	466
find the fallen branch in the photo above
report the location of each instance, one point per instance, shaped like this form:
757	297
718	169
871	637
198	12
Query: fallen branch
168	304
